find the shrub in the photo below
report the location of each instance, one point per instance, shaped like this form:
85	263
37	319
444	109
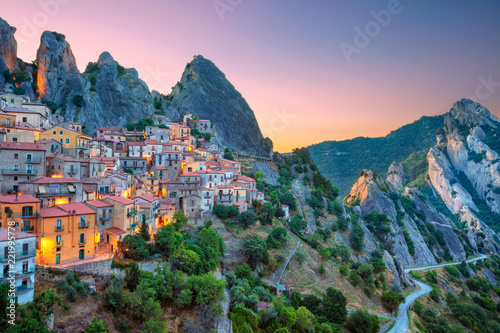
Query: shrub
78	100
344	270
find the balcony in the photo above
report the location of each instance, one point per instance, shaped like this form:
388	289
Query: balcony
83	225
25	288
84	146
26	214
60	228
28	228
132	213
105	218
207	196
83	241
19	172
132	226
33	160
64	191
18	255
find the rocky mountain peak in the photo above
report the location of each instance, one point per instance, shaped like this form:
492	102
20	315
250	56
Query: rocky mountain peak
57	72
105	58
8	45
205	91
466	114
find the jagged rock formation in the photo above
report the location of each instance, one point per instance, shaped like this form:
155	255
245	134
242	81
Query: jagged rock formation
8	46
57	75
204	91
111	95
395	175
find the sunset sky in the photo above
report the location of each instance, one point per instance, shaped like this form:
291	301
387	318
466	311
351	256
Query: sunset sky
285	57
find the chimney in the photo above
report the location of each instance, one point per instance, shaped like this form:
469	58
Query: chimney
16	197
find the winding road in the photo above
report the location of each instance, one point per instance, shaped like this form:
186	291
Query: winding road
401	324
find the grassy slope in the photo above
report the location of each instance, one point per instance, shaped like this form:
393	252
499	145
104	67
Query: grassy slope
341	161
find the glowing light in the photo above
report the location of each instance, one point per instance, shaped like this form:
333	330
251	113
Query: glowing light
56	176
47	247
61	201
97	237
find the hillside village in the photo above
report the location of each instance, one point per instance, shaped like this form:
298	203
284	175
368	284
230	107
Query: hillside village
79	195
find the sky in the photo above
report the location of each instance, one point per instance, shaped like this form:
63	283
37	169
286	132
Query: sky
311	70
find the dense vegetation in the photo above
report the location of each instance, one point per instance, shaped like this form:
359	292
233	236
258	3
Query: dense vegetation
341	161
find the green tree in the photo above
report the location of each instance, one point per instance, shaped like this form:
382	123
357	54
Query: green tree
247	218
304	321
267	213
296	299
97	325
342	223
179	220
255	249
334	306
132	276
361	321
357	237
391	300
297	224
30	325
185	259
220	211
133	247
167	240
78	100
154	326
144	230
259	176
288	199
228	154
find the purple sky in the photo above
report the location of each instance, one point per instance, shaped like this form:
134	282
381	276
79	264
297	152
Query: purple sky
285	57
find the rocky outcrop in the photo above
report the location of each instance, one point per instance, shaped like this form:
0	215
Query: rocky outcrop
395	175
58	74
111	95
204	91
8	46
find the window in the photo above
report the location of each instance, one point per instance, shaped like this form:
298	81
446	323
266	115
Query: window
60	140
15	177
25	266
83	222
58	259
25	119
58	225
60	132
29	157
82	238
67	140
14	139
29	168
27	210
16	156
8	122
54	132
58	240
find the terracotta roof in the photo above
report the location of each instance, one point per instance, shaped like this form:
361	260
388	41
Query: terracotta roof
6	234
144	205
55	180
22	146
137	143
13	199
249	179
152	142
122	200
171	181
78	207
52	212
98	203
190	174
115	230
148	197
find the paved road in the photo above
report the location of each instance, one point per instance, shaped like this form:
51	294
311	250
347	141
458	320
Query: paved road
401	324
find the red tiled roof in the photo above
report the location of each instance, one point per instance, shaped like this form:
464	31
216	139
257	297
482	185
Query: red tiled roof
98	203
22	146
122	200
190	174
78	207
115	230
13	199
50	180
171	181
52	212
6	234
148	197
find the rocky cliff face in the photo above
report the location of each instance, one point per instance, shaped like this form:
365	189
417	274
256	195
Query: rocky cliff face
57	75
204	91
112	95
8	46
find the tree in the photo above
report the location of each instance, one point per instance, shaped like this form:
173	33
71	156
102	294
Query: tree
259	176
97	325
391	300
342	223
279	212
357	237
220	211
304	319
167	240
179	220
144	230
210	239
296	224
362	322
133	247
132	276
296	299
246	218
78	100
288	199
30	325
44	302
185	259
334	306
255	249
278	234
228	154
267	213
154	326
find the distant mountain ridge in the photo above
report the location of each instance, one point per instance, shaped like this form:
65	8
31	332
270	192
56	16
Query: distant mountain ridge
342	161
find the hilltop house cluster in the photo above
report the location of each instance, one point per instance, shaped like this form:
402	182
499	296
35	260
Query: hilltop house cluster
71	197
